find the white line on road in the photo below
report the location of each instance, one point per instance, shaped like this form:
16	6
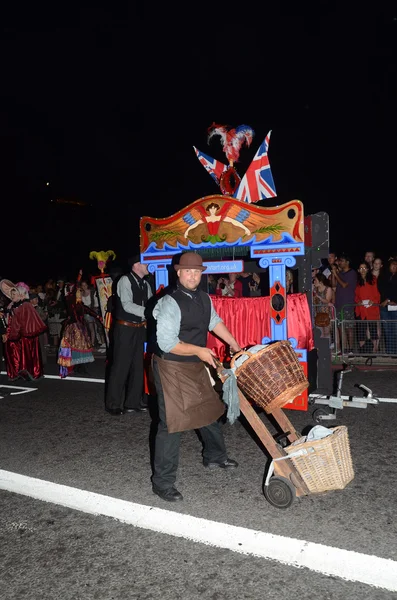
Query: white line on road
24	390
94	380
345	564
72	378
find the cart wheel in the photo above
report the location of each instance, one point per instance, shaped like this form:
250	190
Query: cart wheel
318	414
280	492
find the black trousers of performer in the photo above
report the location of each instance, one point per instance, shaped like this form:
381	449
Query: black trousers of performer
126	380
166	453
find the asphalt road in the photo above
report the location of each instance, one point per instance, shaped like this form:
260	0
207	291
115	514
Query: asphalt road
60	433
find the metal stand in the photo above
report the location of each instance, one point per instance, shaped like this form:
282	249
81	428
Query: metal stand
339	402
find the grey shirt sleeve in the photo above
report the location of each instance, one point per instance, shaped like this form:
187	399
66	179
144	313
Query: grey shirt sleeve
124	292
168	316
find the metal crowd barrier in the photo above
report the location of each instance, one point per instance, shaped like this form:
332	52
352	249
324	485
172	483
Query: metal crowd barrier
352	338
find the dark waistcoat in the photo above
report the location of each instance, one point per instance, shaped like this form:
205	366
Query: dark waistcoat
195	319
139	296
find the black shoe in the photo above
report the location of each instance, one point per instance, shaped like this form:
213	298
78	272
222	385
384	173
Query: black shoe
132	410
114	411
170	495
226	464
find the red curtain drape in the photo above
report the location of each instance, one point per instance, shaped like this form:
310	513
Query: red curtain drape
248	319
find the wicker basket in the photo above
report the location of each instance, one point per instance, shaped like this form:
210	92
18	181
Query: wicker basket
271	377
327	464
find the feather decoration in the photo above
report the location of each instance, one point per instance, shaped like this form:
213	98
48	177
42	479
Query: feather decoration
232	139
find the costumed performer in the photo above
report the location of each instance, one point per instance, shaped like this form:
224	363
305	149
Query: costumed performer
125	390
75	349
22	349
186	398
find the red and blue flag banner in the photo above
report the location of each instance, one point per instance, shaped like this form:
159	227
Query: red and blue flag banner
258	182
214	167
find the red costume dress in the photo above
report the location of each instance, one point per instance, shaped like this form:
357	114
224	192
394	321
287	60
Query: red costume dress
22	349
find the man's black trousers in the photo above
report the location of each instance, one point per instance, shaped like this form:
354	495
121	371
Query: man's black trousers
126	380
166	454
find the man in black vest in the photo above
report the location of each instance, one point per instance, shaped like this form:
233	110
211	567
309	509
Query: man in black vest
125	388
185	395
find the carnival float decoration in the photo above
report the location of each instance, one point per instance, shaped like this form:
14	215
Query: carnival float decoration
102	257
257	183
232	224
103	284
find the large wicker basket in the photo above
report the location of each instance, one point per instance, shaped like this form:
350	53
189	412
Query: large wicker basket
271	377
327	463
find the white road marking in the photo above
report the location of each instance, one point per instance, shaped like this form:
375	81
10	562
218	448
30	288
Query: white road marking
74	378
99	380
70	378
25	390
336	562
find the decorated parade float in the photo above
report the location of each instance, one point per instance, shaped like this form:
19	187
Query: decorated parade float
232	227
226	229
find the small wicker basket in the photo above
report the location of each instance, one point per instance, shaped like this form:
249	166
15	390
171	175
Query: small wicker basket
327	465
271	377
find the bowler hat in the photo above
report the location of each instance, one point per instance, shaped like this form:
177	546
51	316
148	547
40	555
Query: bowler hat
136	258
190	260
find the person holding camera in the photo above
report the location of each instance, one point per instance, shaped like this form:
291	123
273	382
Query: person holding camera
230	288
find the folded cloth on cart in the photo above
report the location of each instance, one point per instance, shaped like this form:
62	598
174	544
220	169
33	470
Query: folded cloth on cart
230	396
241	359
318	432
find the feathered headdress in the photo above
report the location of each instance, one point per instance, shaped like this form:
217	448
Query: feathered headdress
23	290
232	139
102	257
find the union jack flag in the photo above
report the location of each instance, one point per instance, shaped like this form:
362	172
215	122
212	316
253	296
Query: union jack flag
214	167
258	182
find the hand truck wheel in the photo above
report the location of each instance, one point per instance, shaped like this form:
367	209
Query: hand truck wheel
319	414
279	492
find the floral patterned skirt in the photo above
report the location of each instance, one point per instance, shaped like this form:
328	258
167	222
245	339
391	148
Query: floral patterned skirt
75	348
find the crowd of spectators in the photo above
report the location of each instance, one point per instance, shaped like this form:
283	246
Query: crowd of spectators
345	293
238	285
351	296
49	301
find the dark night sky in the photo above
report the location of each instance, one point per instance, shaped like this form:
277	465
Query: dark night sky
106	105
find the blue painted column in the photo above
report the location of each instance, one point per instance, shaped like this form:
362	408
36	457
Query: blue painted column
161	274
278	299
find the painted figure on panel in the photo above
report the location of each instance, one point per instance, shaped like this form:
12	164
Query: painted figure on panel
213	215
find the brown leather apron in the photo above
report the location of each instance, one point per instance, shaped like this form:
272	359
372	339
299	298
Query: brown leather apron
190	400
